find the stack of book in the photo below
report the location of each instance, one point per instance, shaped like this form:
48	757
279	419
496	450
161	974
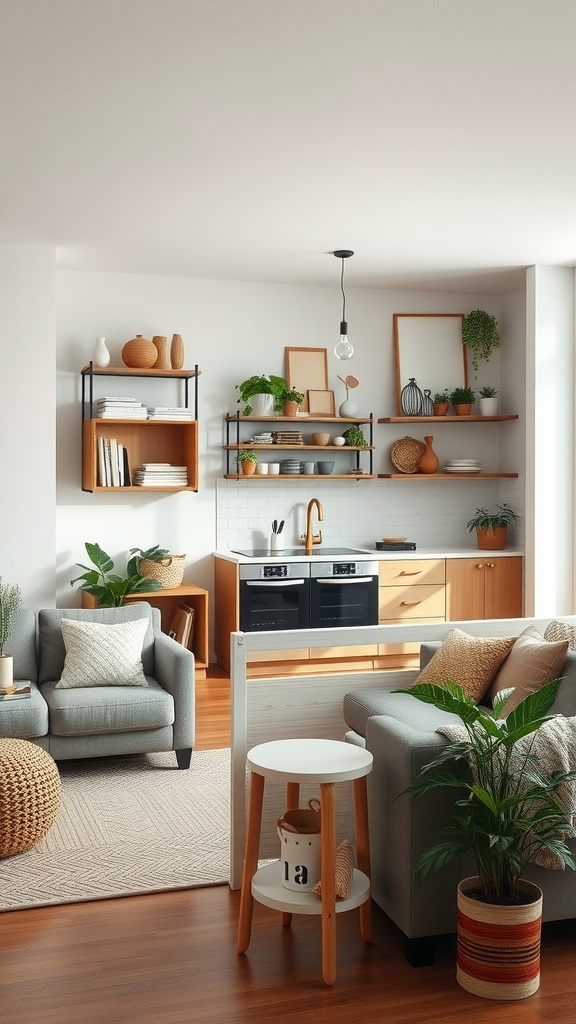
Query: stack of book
182	626
113	463
120	408
168	412
160	474
16	691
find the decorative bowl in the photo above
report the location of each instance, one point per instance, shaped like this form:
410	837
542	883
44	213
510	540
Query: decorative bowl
325	468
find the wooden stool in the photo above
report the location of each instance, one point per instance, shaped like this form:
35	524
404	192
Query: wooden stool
324	762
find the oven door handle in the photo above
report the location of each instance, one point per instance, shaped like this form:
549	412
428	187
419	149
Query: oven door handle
274	583
344	579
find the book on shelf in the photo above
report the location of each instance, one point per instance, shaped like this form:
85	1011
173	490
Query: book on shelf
160	474
159	412
17	691
182	625
113	463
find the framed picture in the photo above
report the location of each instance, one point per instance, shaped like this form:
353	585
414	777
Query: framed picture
428	347
321	403
306	369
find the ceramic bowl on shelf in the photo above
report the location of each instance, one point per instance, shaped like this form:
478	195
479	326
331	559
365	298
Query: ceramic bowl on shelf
325	468
321	439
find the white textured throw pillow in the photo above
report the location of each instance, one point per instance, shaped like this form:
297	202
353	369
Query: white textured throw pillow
103	655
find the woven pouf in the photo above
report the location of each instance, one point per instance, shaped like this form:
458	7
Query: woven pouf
29	795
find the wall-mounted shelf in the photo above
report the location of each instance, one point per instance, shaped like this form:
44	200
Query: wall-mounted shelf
448	419
444	476
437	420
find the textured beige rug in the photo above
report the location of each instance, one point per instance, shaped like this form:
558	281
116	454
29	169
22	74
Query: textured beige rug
128	825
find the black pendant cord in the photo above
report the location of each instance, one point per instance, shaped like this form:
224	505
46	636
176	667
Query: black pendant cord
343	292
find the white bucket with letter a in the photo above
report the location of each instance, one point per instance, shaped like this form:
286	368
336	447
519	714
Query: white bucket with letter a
300	848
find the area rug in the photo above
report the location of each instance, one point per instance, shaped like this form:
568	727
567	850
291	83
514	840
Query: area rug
128	825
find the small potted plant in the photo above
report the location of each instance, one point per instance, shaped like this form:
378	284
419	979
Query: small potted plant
488	401
508	810
108	588
10	598
492	527
462	399
354	437
291	400
441	401
247	460
480	335
261	395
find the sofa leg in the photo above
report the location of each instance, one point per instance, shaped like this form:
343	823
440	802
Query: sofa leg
184	757
420	952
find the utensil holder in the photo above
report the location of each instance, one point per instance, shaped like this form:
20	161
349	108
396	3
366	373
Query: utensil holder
276	542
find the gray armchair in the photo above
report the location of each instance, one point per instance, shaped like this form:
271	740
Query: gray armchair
96	721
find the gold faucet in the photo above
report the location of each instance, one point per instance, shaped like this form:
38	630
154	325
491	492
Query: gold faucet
311	538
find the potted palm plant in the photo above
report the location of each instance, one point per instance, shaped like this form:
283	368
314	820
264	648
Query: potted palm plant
10	598
508	812
261	395
492	527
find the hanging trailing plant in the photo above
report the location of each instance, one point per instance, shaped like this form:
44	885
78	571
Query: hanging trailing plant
480	335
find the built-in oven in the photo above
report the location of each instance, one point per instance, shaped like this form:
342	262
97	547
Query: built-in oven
274	595
343	593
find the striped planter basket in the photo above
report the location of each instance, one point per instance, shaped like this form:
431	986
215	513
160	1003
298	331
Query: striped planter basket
499	947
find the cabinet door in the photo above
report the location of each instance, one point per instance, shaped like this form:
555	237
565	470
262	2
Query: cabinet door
464	589
502	588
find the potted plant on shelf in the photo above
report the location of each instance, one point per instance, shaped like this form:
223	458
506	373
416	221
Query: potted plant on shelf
480	335
247	460
108	588
492	527
291	400
462	399
509	811
10	598
488	401
441	401
354	437
261	395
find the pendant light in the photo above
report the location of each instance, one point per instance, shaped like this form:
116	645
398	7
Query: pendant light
343	349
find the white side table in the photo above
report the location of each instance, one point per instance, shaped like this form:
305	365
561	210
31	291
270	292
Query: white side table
325	762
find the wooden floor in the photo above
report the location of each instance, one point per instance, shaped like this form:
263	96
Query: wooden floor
171	958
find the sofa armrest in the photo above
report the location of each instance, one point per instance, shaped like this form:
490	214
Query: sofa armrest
174	671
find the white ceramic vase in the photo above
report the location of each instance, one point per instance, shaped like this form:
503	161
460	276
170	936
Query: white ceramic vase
100	355
6	671
348	408
262	405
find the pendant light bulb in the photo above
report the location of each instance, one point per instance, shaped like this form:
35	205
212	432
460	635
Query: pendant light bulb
343	348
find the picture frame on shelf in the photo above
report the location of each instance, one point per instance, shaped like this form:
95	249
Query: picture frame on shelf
428	347
306	369
321	403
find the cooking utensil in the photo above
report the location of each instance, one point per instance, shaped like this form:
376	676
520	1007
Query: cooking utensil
281	527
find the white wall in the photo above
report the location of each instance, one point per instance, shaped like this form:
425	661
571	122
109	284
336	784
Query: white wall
27	401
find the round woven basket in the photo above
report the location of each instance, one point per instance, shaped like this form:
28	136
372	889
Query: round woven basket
405	454
29	795
170	571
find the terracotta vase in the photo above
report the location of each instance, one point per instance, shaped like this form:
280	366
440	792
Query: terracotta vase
498	954
491	540
163	359
139	353
177	352
428	461
440	408
248	468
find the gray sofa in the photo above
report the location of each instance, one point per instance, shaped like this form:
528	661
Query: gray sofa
96	721
400	732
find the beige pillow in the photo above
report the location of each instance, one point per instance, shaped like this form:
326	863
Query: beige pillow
556	630
532	662
99	654
470	661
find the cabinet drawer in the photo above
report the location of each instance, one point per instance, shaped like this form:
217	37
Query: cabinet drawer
412	570
417	602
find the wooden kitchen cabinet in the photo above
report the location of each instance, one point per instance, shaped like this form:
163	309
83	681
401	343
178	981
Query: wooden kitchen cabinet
410	590
487	587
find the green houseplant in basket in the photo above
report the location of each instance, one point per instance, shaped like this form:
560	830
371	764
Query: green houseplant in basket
507	811
107	587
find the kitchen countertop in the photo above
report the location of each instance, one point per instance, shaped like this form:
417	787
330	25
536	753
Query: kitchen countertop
369	554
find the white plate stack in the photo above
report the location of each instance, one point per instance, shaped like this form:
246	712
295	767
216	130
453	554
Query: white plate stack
463	466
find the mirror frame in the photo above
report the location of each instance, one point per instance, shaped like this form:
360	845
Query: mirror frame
445	367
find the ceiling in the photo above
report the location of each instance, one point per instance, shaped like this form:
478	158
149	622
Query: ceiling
247	139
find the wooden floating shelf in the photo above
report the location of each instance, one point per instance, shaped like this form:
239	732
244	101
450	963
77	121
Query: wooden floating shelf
232	418
449	419
445	476
134	371
288	476
248	445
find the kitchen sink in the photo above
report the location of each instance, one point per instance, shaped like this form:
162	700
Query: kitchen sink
292	552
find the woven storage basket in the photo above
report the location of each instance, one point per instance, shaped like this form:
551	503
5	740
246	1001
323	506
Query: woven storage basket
169	571
29	795
405	454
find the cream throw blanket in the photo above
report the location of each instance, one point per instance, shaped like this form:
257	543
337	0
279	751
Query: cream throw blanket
554	743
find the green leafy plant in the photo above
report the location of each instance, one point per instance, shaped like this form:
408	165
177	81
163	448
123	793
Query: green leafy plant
503	516
153	554
262	385
247	456
107	587
509	808
354	437
441	398
480	335
462	396
291	395
488	391
10	598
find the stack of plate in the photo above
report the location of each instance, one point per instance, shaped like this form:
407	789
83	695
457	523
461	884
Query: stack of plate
463	466
264	438
290	466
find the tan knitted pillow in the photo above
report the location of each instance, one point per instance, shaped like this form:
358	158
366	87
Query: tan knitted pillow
532	662
556	630
470	661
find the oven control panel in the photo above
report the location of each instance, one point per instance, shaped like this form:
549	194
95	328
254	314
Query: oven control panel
274	571
343	569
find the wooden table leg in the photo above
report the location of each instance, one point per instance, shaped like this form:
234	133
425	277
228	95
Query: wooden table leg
328	873
292	803
363	851
250	861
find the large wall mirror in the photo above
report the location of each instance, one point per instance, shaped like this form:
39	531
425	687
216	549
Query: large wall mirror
428	347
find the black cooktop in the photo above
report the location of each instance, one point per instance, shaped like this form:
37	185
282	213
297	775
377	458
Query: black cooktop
291	552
